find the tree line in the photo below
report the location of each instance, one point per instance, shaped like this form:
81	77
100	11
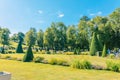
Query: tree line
105	31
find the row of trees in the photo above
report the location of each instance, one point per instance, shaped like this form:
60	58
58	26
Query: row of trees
88	34
105	29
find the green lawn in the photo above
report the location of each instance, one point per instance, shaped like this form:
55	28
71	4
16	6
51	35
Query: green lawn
93	59
37	71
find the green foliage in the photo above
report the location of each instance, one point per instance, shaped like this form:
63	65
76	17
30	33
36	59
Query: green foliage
112	66
104	52
81	64
86	64
19	48
100	45
71	36
38	59
53	61
48	52
30	37
76	64
93	47
40	35
28	55
112	56
4	37
84	53
69	53
7	57
62	62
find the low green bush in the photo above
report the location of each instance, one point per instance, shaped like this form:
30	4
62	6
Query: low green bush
62	62
11	51
84	64
84	53
53	61
48	52
76	64
38	59
7	57
69	53
111	56
112	66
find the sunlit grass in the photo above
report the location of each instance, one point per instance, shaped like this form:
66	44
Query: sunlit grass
95	60
37	71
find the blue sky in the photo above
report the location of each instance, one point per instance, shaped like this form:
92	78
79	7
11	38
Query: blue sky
20	15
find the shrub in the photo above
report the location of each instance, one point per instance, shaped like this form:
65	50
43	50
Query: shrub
48	52
76	64
38	59
69	53
115	68
19	47
7	57
62	62
84	53
94	45
112	66
86	65
29	55
53	61
104	52
81	64
112	56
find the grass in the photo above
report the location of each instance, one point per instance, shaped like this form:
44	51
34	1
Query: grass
93	59
34	71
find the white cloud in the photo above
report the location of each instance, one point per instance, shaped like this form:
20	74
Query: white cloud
95	14
40	11
61	15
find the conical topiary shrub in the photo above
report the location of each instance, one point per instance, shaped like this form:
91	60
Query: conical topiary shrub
100	45
104	52
94	44
19	48
29	55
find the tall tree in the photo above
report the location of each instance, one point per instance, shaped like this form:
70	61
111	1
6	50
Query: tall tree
30	39
83	32
40	35
4	37
48	38
60	35
115	22
14	37
71	37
